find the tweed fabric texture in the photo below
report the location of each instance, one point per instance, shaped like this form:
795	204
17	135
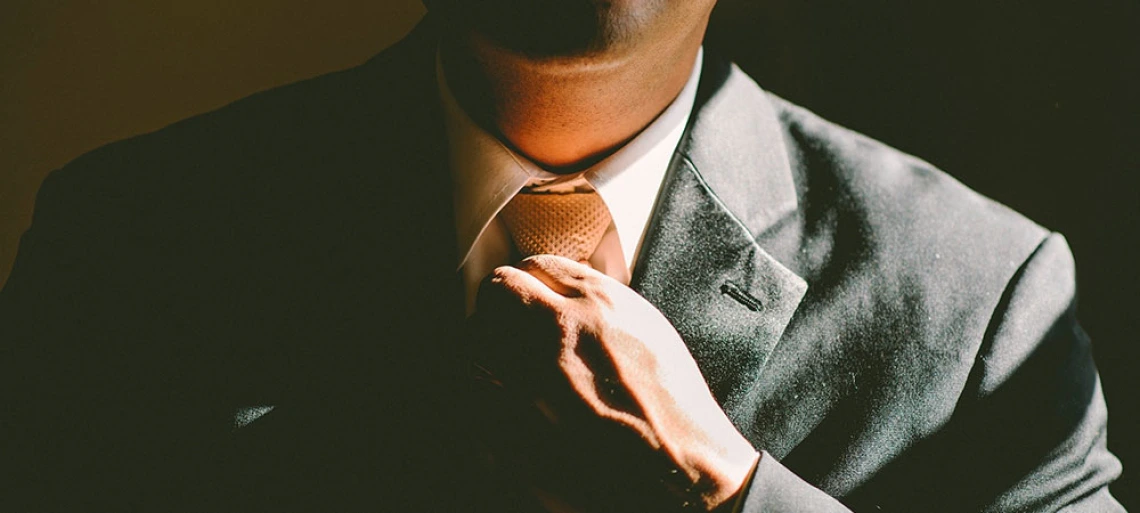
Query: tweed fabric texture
569	225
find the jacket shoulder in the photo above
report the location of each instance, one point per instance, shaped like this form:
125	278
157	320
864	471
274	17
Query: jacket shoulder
294	139
900	207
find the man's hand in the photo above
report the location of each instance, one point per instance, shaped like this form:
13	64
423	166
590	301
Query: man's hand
604	397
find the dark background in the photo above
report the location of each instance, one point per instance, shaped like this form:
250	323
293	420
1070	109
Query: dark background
1031	103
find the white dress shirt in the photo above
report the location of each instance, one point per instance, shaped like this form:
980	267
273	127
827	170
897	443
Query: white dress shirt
486	175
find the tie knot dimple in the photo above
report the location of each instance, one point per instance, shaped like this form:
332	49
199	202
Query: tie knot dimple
569	225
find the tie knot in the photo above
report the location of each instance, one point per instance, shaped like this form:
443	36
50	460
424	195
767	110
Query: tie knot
569	225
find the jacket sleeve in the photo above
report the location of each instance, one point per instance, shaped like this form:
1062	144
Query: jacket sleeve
45	308
90	398
1028	432
55	309
776	489
1036	387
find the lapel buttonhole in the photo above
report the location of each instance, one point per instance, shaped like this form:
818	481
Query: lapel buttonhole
741	296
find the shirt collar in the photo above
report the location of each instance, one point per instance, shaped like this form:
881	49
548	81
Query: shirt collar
486	174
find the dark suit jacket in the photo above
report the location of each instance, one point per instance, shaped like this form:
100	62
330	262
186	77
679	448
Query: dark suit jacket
256	309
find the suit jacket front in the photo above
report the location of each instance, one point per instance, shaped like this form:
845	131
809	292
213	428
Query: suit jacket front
256	309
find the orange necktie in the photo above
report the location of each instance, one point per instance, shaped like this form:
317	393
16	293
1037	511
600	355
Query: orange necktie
569	225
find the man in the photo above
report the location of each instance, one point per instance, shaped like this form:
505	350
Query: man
674	292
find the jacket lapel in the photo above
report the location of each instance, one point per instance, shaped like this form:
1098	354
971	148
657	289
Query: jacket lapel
700	265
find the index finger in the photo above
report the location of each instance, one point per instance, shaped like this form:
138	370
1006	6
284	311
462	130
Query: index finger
524	286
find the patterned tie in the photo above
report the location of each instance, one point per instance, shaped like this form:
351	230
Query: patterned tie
569	225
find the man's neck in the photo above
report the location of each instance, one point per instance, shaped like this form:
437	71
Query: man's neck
566	114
